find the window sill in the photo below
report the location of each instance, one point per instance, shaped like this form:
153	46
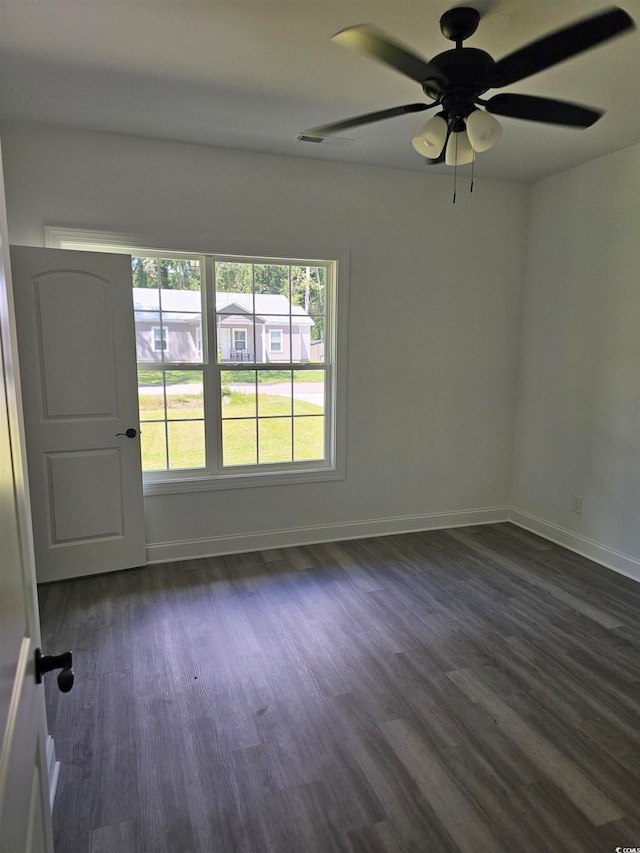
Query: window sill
239	481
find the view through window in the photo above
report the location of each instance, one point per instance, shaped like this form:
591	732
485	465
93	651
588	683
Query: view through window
167	304
254	391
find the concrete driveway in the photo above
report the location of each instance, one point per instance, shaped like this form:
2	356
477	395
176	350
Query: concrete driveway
310	392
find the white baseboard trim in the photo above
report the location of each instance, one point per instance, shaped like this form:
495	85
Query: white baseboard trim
608	557
214	546
190	549
53	769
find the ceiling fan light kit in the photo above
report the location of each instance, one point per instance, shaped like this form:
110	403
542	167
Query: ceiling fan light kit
483	130
459	151
456	80
431	139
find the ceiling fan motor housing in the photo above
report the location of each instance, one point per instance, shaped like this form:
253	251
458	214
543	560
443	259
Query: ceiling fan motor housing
465	72
459	23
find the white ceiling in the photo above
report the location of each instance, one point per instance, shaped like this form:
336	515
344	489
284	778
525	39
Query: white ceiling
252	74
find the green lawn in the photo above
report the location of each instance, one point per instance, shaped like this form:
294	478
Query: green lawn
154	377
175	377
272	376
273	438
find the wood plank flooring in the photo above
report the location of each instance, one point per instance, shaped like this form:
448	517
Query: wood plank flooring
454	691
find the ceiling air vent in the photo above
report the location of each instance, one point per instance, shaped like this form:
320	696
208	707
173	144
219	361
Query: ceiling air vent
304	137
331	141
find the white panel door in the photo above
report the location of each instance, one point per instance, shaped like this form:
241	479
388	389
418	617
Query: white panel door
25	815
76	342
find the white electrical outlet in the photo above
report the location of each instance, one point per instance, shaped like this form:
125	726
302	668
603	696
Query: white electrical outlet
577	504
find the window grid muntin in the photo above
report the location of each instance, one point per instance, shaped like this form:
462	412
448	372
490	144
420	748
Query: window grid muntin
166	420
292	368
326	365
163	366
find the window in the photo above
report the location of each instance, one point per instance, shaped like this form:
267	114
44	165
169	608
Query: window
237	366
159	339
240	339
167	292
273	411
275	340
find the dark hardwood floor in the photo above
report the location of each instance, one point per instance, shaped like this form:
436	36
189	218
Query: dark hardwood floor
465	690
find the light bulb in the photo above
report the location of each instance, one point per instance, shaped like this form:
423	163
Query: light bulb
483	130
459	150
430	140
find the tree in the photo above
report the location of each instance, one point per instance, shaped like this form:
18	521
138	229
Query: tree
233	277
168	273
308	290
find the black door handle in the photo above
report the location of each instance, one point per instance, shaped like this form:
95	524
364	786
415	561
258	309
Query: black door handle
45	663
130	433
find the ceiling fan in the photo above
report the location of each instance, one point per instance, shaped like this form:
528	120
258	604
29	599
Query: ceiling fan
456	79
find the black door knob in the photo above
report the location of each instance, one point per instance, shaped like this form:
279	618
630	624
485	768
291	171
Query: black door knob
130	433
64	662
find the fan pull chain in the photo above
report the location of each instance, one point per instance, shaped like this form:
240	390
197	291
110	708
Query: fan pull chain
455	172
473	163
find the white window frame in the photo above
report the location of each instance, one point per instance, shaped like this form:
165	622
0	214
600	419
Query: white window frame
187	480
279	348
235	346
162	338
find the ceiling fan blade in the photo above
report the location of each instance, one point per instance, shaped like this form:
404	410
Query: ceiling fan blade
367	118
559	46
371	41
542	109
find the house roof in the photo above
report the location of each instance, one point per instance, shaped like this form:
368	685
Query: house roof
185	304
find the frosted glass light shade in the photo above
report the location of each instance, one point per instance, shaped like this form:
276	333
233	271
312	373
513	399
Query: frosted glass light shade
483	130
430	141
459	150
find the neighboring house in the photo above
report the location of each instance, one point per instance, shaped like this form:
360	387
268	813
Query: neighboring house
179	335
282	330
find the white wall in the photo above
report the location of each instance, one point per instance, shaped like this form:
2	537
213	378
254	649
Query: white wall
434	291
578	409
